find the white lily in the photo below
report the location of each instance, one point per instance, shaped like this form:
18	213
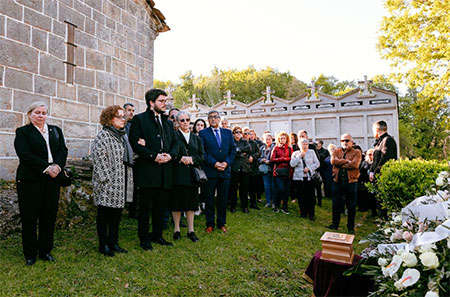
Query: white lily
410	277
392	268
431	294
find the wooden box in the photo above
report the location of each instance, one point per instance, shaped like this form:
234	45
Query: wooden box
337	247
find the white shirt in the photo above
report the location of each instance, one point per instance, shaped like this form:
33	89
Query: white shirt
46	135
187	135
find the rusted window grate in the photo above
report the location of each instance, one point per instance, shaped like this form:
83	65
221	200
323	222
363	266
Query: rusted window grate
70	63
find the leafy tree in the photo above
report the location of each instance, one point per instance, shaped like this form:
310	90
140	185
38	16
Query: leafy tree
332	86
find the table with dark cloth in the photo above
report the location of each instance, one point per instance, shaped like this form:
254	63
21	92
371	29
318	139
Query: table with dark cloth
327	278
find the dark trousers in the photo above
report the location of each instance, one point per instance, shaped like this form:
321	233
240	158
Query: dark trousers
318	190
38	205
259	186
306	200
282	189
222	185
238	180
108	220
154	199
252	184
344	193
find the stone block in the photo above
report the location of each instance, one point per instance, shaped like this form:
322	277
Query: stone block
103	33
111	11
108	64
120	100
139	91
7	145
96	4
133	8
118	67
67	91
125	87
2	25
89	26
119	28
79	130
95	113
87	95
51	8
84	9
129	33
86	40
59	28
147	52
11	9
18	80
110	23
109	99
98	16
129	20
134	47
37	20
1	75
140	38
143	28
127	56
85	77
43	85
9	121
118	40
70	15
39	39
54	122
51	67
107	82
18	31
67	2
8	169
95	60
5	99
142	106
132	72
78	148
57	46
36	5
146	77
106	48
23	100
79	56
70	110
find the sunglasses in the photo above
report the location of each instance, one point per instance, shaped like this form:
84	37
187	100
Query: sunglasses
247	133
237	132
345	140
185	120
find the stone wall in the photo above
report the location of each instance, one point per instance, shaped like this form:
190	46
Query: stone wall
113	57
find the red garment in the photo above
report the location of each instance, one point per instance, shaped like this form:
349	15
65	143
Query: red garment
281	156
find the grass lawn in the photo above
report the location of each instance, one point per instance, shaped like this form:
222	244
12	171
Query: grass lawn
263	254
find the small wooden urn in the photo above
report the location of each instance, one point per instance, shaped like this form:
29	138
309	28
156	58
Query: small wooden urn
337	247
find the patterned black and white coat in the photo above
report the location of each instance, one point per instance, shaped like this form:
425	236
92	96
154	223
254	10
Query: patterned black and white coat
112	180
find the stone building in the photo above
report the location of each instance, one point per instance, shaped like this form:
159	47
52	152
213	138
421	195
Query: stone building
78	56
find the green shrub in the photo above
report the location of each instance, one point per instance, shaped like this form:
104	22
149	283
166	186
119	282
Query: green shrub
402	181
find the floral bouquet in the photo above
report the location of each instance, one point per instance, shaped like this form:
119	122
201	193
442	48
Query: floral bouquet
410	254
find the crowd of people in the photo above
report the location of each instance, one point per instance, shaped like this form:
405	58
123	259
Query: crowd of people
161	164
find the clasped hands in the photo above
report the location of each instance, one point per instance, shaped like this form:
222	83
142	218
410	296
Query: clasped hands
187	160
162	158
53	170
221	166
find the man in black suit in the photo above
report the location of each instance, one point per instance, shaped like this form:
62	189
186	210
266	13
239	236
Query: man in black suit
152	138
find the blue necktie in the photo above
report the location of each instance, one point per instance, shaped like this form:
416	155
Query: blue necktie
216	132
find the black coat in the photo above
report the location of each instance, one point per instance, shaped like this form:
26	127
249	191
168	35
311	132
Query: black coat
385	149
255	153
240	162
150	174
183	175
32	151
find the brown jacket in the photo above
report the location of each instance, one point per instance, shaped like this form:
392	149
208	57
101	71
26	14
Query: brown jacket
351	163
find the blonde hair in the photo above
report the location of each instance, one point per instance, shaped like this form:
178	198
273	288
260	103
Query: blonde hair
282	133
369	151
330	146
33	106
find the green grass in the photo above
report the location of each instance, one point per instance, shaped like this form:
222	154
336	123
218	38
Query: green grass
264	254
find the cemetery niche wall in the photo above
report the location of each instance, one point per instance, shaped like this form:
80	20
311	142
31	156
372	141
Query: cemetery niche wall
324	117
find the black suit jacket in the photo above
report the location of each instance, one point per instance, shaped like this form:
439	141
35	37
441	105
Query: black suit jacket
32	151
182	173
385	149
150	174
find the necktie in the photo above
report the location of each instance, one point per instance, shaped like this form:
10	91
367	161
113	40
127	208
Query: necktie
216	132
161	132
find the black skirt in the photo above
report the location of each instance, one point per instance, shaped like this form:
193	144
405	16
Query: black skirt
184	198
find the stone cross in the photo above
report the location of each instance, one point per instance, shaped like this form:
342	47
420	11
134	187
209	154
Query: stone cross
170	98
313	89
194	102
268	94
228	96
365	85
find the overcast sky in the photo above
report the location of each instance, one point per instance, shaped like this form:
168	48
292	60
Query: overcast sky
305	37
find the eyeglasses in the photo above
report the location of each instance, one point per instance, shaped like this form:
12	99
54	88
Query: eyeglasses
120	118
345	140
214	117
161	100
185	120
172	117
237	132
246	133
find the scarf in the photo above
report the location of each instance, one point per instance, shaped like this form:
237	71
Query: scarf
121	135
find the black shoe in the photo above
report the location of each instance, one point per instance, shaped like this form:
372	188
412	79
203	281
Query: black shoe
245	210
351	231
162	241
105	250
30	262
332	227
176	235
192	236
311	218
47	257
254	207
303	216
146	246
117	248
233	210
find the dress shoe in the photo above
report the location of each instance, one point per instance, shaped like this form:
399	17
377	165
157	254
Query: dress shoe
332	227
192	236
118	249
245	210
285	211
105	250
224	230
233	210
47	257
162	241
176	235
30	262
209	229
351	231
146	246
254	207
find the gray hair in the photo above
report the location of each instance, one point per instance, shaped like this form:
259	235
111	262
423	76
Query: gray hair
266	135
181	113
303	140
213	111
33	106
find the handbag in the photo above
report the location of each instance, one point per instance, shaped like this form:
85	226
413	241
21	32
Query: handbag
199	175
263	168
282	172
316	178
66	178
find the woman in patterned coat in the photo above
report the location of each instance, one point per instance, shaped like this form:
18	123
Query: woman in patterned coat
112	177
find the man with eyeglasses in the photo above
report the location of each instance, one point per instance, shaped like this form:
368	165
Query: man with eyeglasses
220	151
152	138
345	162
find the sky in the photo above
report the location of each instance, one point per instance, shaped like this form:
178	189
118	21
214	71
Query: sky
305	37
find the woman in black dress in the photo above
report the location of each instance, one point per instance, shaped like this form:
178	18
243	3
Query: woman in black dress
42	156
190	154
